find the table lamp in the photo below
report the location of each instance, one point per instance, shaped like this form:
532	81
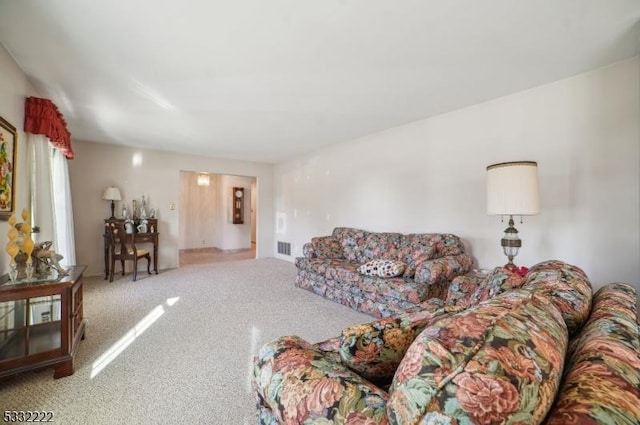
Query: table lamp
112	194
512	189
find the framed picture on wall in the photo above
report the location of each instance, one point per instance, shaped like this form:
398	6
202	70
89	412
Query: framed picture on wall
8	145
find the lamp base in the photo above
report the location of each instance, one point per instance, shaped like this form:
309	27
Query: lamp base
113	206
510	243
510	266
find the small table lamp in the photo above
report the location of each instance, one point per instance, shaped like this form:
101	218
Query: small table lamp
112	194
512	189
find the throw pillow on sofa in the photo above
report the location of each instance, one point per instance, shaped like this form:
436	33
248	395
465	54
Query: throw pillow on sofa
382	268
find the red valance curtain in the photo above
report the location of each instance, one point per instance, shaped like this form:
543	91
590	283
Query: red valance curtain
41	116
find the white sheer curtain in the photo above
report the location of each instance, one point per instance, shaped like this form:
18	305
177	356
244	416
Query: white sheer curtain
40	187
64	238
51	207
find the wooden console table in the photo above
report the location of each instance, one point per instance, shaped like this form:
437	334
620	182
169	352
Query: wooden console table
149	237
41	323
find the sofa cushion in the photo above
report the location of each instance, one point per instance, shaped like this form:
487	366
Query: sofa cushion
378	288
442	243
498	362
322	266
415	248
414	255
353	242
323	247
382	268
602	381
375	349
567	287
381	246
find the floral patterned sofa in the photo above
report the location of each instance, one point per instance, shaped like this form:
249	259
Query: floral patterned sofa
381	274
528	350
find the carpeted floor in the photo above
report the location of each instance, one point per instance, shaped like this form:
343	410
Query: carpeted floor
188	257
176	348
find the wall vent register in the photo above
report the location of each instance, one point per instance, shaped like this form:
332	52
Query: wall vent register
284	248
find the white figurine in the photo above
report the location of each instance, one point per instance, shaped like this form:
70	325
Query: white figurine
142	227
128	226
143	208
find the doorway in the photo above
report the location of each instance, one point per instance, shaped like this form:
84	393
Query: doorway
207	232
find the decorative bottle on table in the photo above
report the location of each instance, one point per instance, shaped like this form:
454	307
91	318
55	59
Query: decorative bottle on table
27	243
12	247
143	208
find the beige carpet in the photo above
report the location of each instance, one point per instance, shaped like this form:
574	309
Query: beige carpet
188	257
176	348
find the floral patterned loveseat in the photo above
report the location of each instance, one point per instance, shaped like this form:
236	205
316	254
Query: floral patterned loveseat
416	267
533	349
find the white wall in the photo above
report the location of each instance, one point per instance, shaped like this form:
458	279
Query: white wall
155	174
14	89
198	211
429	176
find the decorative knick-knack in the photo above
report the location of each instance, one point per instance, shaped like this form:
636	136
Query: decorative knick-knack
143	208
27	242
142	227
12	247
128	226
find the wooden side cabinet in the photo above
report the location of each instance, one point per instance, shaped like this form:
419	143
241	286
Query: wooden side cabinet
41	324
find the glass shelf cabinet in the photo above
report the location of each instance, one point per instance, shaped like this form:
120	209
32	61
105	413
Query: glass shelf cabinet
41	323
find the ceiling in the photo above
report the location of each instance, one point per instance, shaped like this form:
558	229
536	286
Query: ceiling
268	80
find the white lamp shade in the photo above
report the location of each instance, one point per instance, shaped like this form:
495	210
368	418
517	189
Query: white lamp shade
112	193
512	188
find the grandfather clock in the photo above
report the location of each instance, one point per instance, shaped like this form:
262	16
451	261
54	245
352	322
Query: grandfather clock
238	205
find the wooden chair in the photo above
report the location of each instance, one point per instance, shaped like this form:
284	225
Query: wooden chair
123	248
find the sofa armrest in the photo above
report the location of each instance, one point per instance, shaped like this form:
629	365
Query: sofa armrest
323	247
295	382
443	268
466	291
602	376
461	289
374	350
